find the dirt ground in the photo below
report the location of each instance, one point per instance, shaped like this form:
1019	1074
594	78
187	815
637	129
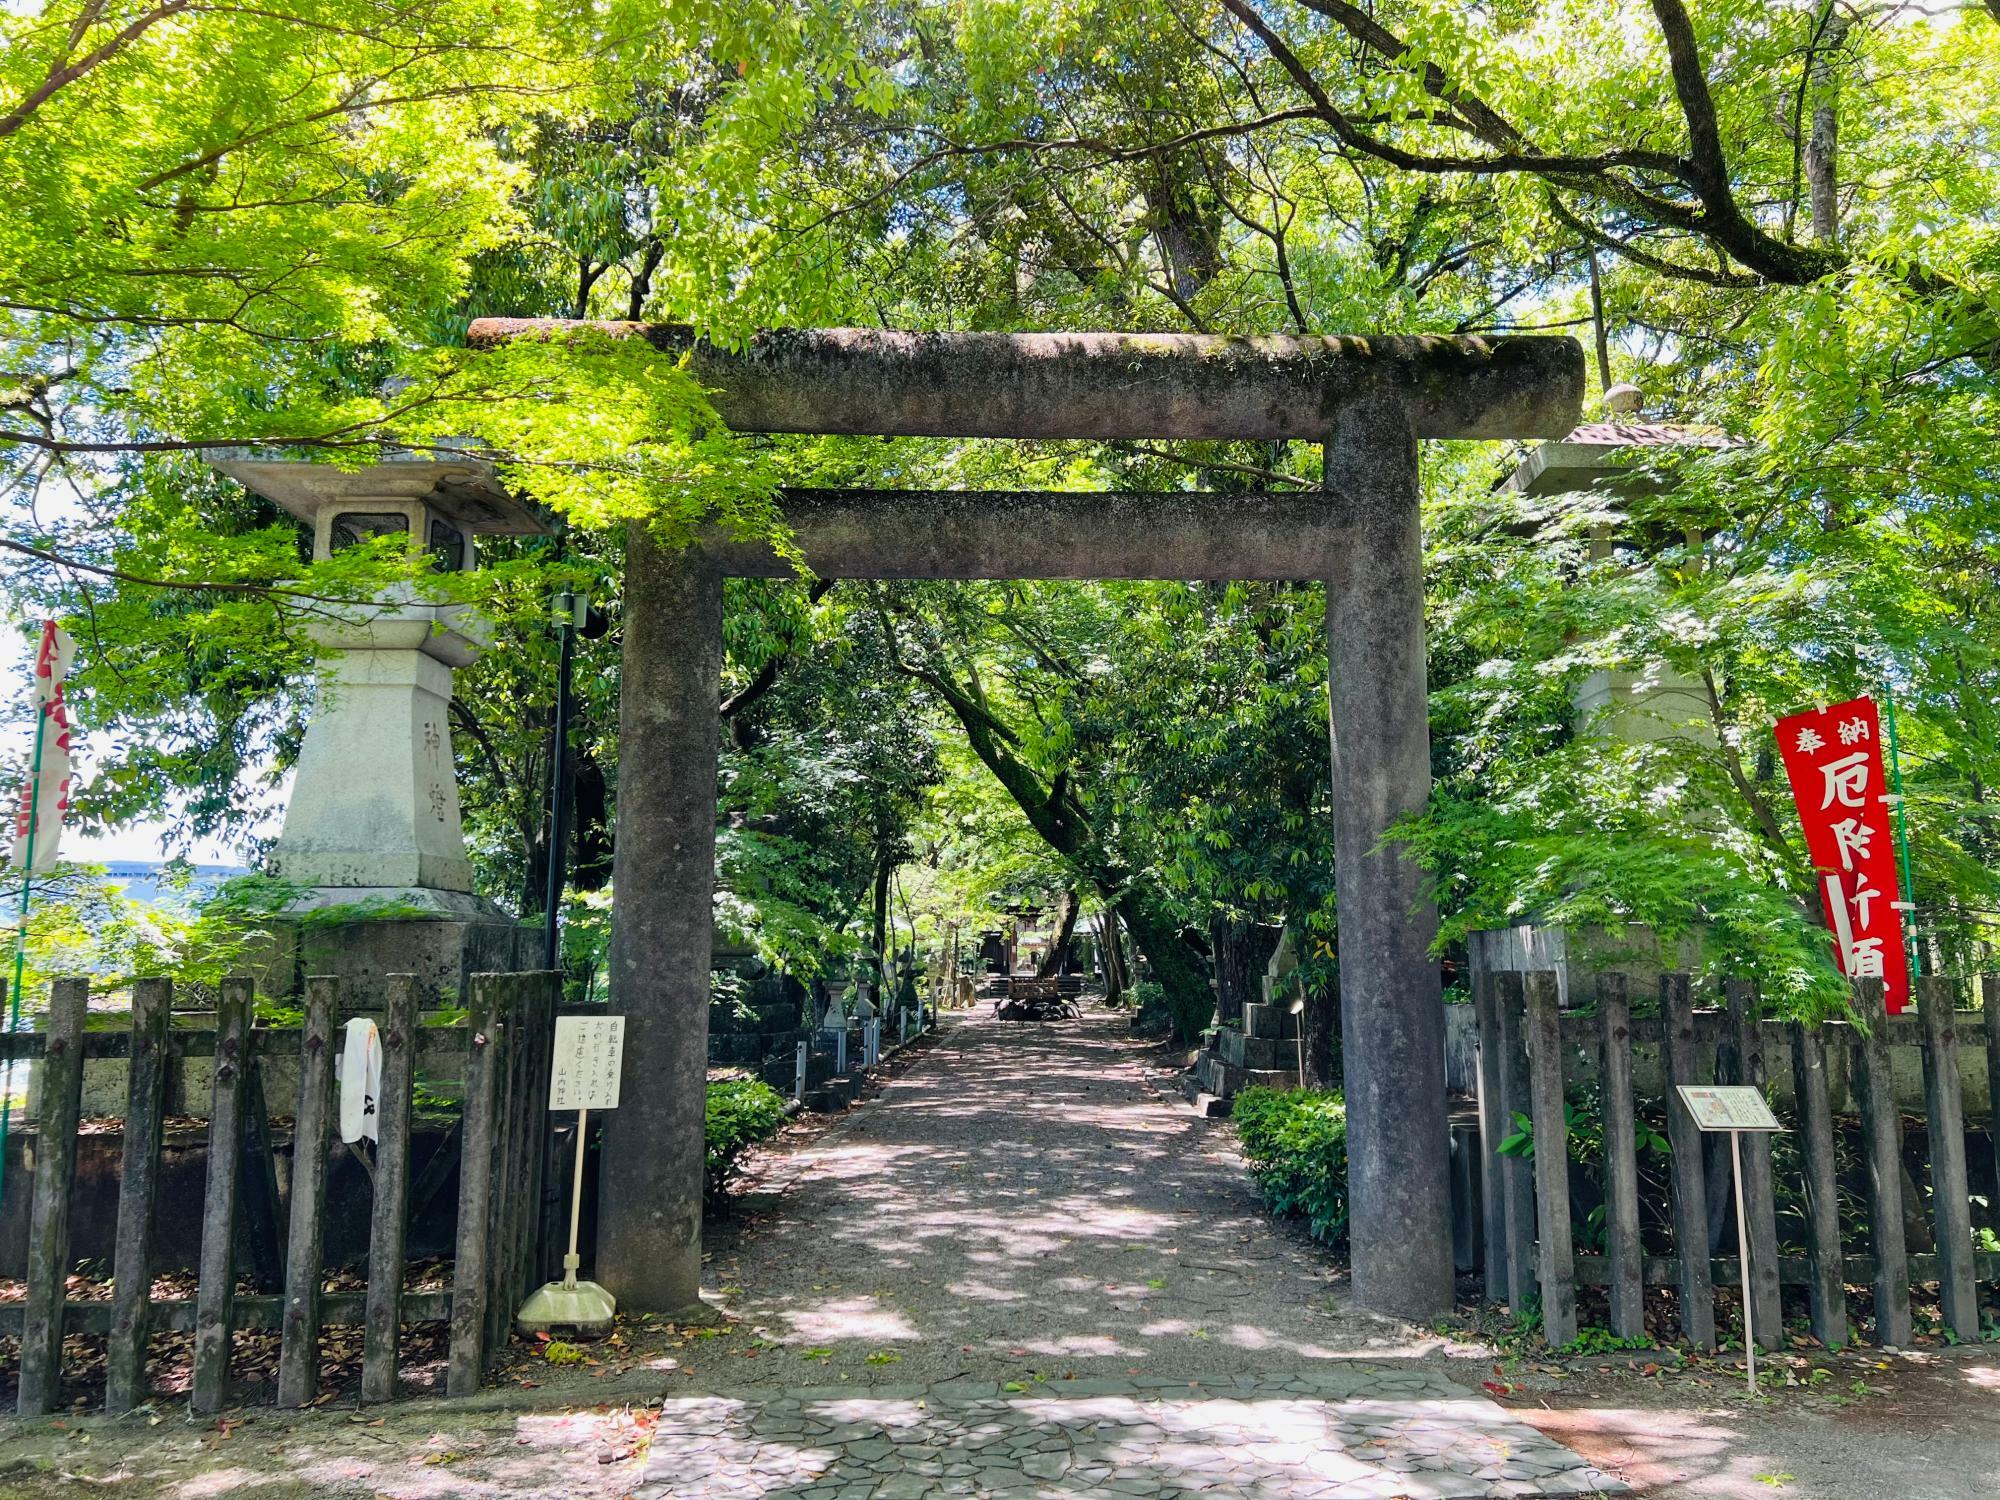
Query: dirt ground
1028	1208
1901	1427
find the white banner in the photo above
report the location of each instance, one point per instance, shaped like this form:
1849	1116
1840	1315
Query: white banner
359	1071
39	811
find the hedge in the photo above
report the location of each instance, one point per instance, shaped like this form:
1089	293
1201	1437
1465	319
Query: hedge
741	1112
1296	1143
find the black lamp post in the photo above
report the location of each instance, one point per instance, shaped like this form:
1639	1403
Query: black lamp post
570	610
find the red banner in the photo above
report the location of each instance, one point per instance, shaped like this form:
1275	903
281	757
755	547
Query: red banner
1834	759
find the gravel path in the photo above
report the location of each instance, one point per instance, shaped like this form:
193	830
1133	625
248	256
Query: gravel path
1022	1199
1022	1271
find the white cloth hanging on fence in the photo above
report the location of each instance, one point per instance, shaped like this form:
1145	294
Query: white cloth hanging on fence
359	1069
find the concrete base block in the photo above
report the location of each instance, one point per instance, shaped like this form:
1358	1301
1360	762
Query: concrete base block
833	1096
1269	1021
1218	1076
1241	1051
364	942
1208	1106
1221	1077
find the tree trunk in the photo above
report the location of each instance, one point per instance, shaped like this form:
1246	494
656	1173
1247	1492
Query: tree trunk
884	867
1823	142
1321	1021
590	816
1054	961
1179	969
1229	943
1114	956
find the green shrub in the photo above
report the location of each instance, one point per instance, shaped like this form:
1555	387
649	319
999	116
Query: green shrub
1193	1011
741	1112
1296	1143
1151	1015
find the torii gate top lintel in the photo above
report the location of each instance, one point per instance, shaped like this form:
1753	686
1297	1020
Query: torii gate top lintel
881	382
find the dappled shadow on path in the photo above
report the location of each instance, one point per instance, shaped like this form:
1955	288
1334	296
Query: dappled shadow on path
1071	1283
1270	1439
1023	1193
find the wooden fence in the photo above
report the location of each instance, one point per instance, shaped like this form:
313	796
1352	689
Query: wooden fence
503	1052
1524	1040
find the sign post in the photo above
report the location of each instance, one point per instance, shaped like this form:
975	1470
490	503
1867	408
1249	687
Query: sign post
1735	1108
1297	1010
589	1057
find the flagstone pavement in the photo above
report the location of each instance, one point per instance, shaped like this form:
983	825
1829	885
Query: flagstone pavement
1068	1281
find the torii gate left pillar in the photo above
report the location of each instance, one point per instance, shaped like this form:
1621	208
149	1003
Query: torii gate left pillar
1369	400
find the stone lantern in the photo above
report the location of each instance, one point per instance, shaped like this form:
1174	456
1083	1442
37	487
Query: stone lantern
373	820
1629	706
1655	702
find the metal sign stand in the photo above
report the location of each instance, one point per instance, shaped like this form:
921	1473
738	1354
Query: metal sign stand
1736	1109
1298	1014
589	1054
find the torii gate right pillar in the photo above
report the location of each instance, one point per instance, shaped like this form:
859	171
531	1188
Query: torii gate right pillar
1392	1026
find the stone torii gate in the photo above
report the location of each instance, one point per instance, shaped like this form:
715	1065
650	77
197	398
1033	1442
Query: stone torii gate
1367	399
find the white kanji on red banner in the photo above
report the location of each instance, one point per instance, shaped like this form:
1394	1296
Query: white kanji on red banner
1833	757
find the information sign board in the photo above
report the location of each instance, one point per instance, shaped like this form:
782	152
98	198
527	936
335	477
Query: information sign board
1722	1107
590	1053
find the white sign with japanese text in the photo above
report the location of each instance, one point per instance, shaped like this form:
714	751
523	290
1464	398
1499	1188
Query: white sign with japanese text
1718	1107
590	1054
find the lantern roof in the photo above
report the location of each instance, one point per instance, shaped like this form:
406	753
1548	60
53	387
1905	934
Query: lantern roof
464	489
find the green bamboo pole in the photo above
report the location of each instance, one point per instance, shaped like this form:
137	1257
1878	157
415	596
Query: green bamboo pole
1902	836
21	930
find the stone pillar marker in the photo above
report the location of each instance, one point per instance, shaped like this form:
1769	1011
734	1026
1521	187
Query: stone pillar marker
1392	1021
669	729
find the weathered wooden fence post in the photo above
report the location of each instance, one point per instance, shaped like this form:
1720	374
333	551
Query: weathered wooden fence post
298	1353
1621	1165
1494	1127
1555	1262
1882	1145
215	1297
138	1188
1760	1209
1517	1173
1677	1053
1951	1192
544	995
472	1267
388	1223
262	1208
48	1213
1822	1190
